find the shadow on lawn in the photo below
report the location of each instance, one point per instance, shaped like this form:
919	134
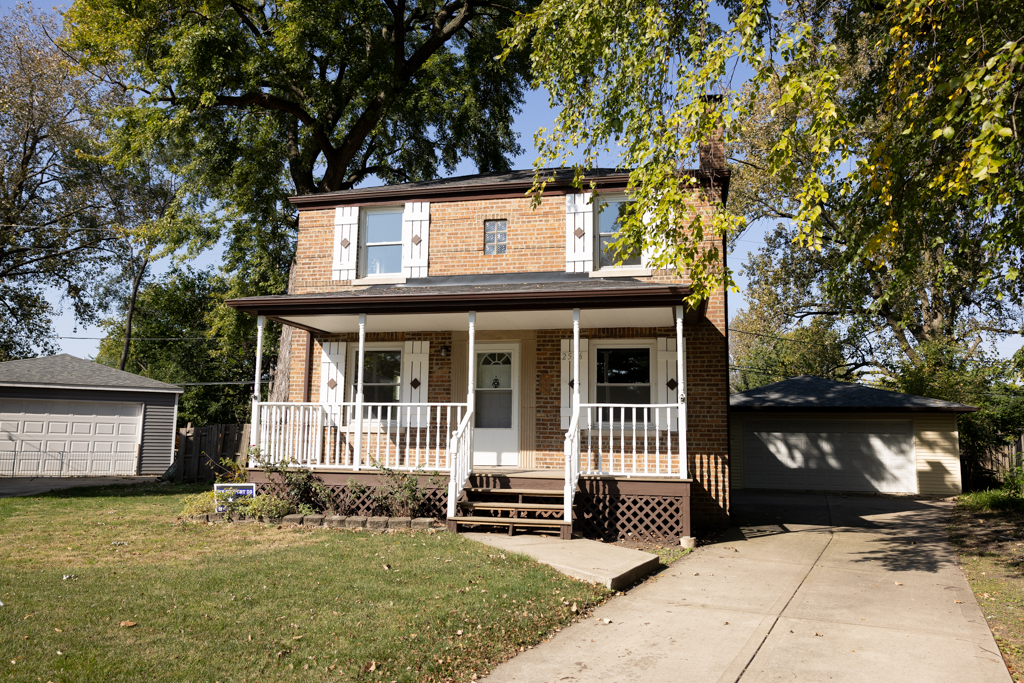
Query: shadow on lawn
125	491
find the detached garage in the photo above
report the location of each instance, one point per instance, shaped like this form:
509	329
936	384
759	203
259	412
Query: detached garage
61	416
813	434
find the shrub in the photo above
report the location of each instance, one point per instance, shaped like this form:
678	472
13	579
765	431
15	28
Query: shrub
300	486
198	504
269	506
400	493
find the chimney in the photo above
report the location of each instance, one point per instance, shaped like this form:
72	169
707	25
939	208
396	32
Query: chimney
712	151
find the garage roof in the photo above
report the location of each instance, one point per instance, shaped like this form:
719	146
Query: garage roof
808	393
65	371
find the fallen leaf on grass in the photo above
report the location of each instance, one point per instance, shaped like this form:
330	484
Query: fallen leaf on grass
573	608
459	632
387	567
296	637
127	624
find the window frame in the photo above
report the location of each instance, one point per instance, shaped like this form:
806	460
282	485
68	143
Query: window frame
600	206
364	215
503	233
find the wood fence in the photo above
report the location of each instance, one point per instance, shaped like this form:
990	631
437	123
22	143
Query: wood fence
200	450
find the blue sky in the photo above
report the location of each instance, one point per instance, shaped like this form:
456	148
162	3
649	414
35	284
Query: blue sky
536	113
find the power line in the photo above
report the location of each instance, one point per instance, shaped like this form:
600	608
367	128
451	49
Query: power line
151	338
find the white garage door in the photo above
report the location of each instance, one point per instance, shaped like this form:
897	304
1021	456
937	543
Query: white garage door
830	455
68	438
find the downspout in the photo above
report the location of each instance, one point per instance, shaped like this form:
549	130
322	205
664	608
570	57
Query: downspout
681	397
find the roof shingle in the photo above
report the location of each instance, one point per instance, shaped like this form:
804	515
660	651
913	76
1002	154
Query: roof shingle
65	371
813	393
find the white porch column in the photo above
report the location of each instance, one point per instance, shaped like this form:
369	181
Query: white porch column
358	455
471	385
681	379
575	361
254	421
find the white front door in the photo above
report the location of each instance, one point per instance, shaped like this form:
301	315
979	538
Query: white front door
496	419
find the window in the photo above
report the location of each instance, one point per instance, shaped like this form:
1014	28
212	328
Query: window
495	236
494	391
382	242
382	377
623	376
608	224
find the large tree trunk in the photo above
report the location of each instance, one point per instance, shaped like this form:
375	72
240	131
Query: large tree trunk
136	281
283	369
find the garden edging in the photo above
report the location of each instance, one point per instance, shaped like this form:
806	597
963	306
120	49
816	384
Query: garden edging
329	521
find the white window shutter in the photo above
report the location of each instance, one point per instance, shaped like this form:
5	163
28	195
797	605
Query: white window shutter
346	242
332	373
415	381
579	233
665	368
566	378
415	239
647	251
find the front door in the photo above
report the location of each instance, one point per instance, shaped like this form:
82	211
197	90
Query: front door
496	420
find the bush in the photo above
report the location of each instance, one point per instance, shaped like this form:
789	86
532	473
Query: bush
400	493
269	506
198	504
300	486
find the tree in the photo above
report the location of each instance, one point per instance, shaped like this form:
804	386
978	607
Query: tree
631	78
182	335
54	221
256	101
762	352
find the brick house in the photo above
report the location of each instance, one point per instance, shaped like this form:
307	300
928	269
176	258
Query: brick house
449	326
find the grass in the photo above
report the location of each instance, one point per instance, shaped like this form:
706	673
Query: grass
992	500
987	530
253	603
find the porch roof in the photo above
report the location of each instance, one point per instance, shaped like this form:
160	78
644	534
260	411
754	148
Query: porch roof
506	304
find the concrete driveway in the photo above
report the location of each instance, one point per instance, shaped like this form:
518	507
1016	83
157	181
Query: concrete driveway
806	587
31	486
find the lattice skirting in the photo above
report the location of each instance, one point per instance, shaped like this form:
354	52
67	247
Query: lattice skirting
632	516
346	502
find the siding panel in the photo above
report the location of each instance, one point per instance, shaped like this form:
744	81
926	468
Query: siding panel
938	454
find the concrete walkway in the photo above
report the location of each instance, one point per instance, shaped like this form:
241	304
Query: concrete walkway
610	565
808	588
32	486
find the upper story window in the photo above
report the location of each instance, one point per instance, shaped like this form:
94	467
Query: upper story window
608	222
381	242
495	236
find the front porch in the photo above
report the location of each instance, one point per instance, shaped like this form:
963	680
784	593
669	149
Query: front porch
583	410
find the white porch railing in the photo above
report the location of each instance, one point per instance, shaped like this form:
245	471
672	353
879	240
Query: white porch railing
460	452
626	440
402	436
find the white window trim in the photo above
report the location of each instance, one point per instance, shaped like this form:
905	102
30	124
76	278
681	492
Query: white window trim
370	423
650	343
611	271
384	278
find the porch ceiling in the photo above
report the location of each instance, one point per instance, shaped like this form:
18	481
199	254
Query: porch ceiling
487	320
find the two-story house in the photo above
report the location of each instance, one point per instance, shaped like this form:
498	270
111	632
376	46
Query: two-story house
449	326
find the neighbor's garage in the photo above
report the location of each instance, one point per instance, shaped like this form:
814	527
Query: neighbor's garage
807	433
64	416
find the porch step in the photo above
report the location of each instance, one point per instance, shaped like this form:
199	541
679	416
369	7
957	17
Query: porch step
564	528
532	507
548	493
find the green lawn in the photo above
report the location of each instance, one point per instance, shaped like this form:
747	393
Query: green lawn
255	603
